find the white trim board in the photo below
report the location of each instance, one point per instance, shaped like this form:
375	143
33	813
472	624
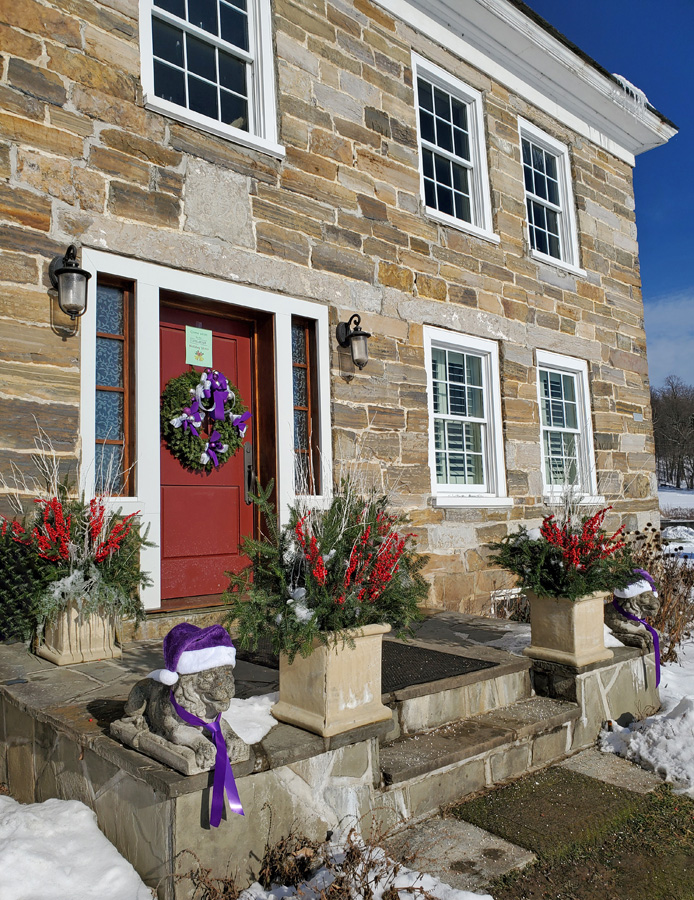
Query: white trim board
149	279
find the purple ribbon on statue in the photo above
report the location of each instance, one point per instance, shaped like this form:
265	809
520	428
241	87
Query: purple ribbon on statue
223	774
241	422
654	634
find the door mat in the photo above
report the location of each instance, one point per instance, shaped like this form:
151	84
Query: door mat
402	665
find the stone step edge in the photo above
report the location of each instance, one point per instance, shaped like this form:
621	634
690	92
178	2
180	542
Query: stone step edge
486	732
502	670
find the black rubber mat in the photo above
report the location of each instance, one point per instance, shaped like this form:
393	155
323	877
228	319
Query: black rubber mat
406	664
402	665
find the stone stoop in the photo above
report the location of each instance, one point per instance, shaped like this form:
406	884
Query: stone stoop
424	771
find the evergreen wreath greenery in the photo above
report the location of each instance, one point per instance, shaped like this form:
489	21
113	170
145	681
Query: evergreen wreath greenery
325	572
183	444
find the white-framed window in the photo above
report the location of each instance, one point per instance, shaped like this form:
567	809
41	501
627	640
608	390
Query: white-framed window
452	153
549	201
209	63
465	434
566	439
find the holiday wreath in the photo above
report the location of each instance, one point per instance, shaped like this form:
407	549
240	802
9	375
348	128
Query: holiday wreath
190	400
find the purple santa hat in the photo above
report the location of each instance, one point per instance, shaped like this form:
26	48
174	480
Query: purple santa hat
189	649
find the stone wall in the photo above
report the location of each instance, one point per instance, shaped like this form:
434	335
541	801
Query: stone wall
339	221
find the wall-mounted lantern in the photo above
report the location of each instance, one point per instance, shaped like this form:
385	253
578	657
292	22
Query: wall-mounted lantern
70	281
354	338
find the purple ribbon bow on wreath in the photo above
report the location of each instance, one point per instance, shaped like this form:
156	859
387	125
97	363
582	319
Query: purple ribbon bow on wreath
212	448
241	422
214	386
223	774
654	634
190	418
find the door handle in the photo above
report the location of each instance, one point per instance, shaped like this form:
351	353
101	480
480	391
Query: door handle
249	478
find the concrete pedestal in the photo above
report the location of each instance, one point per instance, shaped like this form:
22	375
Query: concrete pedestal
570	632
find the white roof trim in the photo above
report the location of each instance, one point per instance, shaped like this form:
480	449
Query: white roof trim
511	48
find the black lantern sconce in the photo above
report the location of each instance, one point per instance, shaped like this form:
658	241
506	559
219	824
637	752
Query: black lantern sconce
70	281
354	338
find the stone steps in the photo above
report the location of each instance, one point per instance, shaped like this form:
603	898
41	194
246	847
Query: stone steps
424	771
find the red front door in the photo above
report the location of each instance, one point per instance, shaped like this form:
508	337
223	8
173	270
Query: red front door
203	515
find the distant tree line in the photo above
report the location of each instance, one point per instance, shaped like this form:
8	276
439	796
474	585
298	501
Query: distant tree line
673	429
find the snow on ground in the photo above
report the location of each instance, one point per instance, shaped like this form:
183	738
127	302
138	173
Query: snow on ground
251	718
674	498
55	849
382	876
664	742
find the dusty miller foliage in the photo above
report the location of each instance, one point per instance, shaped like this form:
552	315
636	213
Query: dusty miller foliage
294	592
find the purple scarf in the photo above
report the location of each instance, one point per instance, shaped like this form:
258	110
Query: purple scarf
223	775
654	634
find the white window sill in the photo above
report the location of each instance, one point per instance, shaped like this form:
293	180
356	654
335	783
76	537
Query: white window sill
460	225
442	501
557	263
235	135
551	498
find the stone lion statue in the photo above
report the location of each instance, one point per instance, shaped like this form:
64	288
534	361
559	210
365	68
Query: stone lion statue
640	600
199	673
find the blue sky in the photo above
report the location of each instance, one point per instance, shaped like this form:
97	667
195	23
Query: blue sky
650	43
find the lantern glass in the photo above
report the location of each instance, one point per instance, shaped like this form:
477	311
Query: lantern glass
72	292
360	349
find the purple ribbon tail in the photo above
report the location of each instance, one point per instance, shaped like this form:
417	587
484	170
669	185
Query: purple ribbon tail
213	457
654	635
223	774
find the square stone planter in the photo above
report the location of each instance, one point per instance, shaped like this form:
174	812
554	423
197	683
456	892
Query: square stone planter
68	640
570	632
337	688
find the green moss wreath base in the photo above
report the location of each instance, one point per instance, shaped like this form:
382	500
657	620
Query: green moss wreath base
183	444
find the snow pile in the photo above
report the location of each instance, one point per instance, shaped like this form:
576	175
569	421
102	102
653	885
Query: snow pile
382	875
675	498
678	533
251	719
664	742
55	849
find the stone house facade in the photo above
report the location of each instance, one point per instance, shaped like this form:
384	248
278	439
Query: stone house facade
264	170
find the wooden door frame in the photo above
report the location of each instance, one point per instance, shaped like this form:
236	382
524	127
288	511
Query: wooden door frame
263	400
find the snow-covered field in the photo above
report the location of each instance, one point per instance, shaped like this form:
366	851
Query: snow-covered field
674	498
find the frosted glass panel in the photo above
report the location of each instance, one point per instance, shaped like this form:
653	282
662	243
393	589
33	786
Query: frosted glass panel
109	309
109	416
109	362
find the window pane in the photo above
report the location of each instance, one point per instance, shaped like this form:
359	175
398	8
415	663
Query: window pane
569	387
201	58
109	362
459	110
538	159
442	104
439	435
430	193
462	207
456	366
460	179
109	309
300	387
424	94
444	135
475	403
457	397
234	26
175	7
109	415
473	438
426	124
232	73
169	84
167	42
300	429
440	398
202	97
570	413
298	344
551	166
203	13
438	363
444	197
462	144
108	469
473	370
455	436
443	170
234	111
